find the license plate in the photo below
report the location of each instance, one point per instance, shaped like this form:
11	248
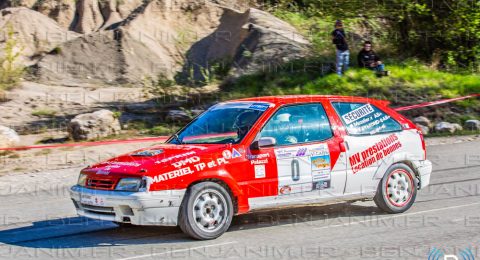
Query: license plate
92	200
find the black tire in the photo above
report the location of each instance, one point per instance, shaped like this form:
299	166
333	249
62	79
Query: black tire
391	188
192	217
123	225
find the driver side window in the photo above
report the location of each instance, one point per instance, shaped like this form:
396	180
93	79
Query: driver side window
298	124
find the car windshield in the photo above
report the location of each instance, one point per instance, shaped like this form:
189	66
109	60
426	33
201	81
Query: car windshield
221	124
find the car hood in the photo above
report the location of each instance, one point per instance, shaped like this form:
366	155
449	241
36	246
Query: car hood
153	160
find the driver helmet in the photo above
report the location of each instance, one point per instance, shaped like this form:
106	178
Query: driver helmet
245	120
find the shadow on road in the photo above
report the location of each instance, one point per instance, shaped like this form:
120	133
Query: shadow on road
78	232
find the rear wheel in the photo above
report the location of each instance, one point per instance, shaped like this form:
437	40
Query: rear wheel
397	190
206	211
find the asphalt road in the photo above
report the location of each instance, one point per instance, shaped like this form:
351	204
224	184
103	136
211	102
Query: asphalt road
40	223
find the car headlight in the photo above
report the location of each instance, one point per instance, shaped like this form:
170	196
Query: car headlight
82	179
129	184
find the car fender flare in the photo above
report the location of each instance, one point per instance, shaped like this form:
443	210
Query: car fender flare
227	179
402	157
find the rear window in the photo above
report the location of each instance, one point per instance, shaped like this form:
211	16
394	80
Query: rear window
365	119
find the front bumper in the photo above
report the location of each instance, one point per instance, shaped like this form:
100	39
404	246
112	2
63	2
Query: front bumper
424	170
138	208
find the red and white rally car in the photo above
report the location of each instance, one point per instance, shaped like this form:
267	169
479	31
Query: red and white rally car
256	153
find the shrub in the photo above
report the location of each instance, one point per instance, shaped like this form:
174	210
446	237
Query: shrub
10	72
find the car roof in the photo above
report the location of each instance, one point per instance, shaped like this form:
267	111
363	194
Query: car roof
292	99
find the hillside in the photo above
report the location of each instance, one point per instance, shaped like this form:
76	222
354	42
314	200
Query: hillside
157	63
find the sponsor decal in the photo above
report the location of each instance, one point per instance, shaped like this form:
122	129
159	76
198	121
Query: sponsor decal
196	166
321	167
285	190
255	162
175	157
374	153
302	166
148	152
285	153
227	154
173	174
260	171
132	164
259	106
258	156
103	172
302	151
321	185
235	153
358	113
320	162
186	162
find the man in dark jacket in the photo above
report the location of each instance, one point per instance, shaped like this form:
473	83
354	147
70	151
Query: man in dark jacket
342	52
367	58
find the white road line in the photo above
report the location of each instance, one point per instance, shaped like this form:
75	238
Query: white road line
399	216
176	251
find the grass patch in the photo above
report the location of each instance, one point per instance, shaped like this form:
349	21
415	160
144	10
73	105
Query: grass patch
411	78
163	130
457	133
44	112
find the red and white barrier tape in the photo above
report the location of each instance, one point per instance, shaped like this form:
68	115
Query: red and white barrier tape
140	140
434	103
164	138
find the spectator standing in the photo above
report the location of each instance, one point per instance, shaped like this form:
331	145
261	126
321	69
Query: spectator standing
342	52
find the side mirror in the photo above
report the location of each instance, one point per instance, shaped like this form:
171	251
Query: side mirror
264	142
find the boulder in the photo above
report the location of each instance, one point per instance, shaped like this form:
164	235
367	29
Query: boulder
178	116
90	18
472	124
250	41
457	127
152	40
17	3
421	120
446	127
425	130
62	11
33	32
94	125
8	137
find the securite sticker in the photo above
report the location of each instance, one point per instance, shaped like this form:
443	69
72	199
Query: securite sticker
259	106
358	113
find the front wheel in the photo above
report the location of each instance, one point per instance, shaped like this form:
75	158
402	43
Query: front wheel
206	211
397	190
